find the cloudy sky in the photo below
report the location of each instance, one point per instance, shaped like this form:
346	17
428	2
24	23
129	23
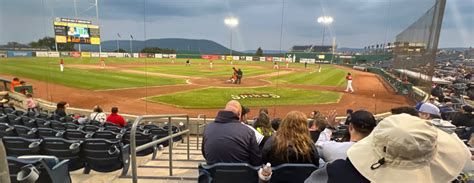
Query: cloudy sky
357	23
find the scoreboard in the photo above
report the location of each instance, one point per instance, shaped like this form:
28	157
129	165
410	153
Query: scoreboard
76	31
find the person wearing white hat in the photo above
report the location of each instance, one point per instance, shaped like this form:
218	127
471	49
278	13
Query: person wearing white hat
401	148
428	111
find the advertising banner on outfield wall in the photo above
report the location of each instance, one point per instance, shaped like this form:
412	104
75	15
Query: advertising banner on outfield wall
135	55
235	57
166	56
95	54
150	55
86	54
65	54
172	55
210	57
142	55
228	57
269	59
307	60
158	55
75	54
248	58
19	53
3	54
277	59
255	58
41	54
53	54
242	58
262	59
104	55
127	55
114	54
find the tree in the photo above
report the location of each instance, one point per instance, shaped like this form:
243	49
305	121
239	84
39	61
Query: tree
157	50
120	50
259	52
50	44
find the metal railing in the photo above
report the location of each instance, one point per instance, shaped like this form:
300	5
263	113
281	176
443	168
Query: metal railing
198	128
135	149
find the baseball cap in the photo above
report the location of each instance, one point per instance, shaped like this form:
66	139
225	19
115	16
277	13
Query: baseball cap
405	148
428	108
362	119
245	110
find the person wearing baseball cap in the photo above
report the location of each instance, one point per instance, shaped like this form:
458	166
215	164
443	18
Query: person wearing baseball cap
428	111
361	123
401	148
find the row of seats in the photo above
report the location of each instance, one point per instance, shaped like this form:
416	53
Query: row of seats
39	169
242	172
100	155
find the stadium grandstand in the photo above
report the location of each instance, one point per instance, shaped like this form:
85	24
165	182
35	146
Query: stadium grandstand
102	100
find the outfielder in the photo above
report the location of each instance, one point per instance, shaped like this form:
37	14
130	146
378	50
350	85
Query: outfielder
349	83
61	65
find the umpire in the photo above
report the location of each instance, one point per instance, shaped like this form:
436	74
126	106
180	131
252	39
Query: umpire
239	76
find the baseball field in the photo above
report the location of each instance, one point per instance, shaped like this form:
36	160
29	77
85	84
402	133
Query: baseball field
158	86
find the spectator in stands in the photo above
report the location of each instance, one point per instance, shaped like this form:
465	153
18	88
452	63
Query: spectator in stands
464	117
4	174
31	103
406	109
437	91
243	118
15	82
116	118
228	141
11	105
61	109
315	114
428	111
316	126
348	115
292	143
361	124
276	123
263	126
98	114
392	154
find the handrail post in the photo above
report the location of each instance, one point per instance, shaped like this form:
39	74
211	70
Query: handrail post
133	148
170	146
197	134
187	138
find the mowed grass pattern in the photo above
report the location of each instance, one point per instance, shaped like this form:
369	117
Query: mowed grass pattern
203	70
329	76
47	69
218	97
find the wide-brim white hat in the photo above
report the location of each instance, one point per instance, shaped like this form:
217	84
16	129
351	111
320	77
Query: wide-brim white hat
404	148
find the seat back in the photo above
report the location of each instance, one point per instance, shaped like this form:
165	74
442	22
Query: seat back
104	155
141	138
18	146
14	120
26	132
18	113
29	122
72	126
50	169
292	173
115	129
91	128
42	116
7	130
49	132
109	135
159	133
66	119
76	134
64	149
8	110
42	123
57	125
31	114
3	118
227	172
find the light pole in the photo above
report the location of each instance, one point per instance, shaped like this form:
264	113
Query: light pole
118	44
231	22
131	48
325	20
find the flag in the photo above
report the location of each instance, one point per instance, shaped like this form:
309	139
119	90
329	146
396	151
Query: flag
131	36
119	35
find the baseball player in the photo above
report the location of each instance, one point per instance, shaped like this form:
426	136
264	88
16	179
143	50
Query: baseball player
61	65
210	64
102	63
349	83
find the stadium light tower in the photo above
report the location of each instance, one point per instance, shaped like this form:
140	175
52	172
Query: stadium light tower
231	22
326	21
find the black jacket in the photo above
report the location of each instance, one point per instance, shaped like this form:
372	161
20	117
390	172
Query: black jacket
339	171
463	119
227	140
269	155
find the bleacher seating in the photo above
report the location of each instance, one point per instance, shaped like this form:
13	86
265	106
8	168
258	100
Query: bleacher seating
292	173
103	155
18	146
49	169
6	130
109	135
141	138
64	149
58	125
3	118
14	120
49	132
228	172
77	134
26	132
42	123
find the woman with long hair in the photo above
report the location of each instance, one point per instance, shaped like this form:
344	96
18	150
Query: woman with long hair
264	127
292	143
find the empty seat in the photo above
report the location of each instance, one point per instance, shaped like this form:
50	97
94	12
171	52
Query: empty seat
103	155
114	129
227	172
55	117
18	113
3	118
31	114
14	120
27	132
292	173
109	135
77	134
6	130
17	146
57	125
8	110
66	119
110	124
73	126
174	129
91	128
49	132
42	116
159	133
42	123
64	149
141	138
49	168
94	122
29	122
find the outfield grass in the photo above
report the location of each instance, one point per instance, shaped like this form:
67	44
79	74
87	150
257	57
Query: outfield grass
47	69
329	76
203	70
218	97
